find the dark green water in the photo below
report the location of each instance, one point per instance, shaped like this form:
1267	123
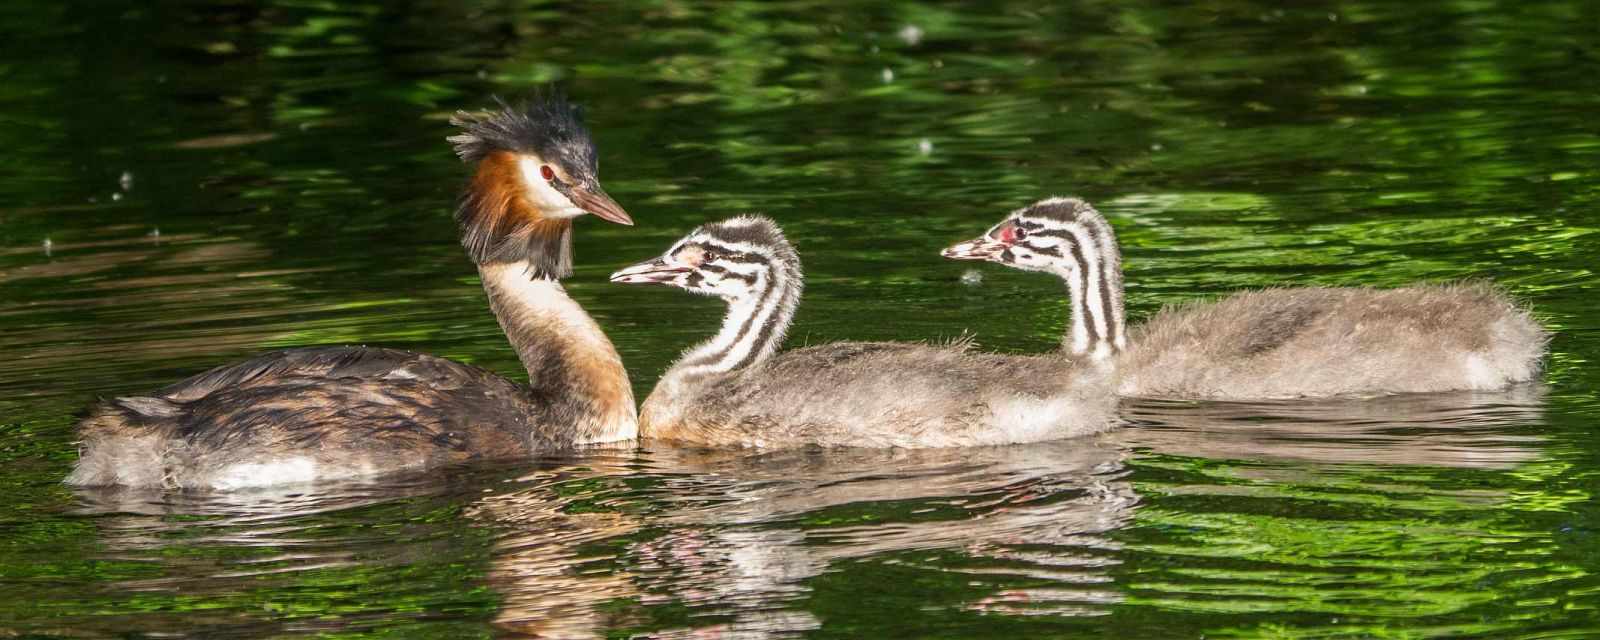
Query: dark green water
287	184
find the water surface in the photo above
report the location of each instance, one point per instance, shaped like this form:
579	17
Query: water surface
189	183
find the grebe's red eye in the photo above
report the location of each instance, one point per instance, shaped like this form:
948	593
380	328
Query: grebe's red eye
548	173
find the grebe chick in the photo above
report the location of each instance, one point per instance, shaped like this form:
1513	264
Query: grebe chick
330	412
1279	343
737	389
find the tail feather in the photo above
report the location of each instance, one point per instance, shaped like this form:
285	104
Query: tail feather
124	444
148	407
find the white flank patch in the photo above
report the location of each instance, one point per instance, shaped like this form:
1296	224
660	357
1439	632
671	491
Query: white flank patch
263	474
620	428
1483	375
1021	419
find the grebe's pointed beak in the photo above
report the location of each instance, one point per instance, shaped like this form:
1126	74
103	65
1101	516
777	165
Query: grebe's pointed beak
652	271
980	248
595	201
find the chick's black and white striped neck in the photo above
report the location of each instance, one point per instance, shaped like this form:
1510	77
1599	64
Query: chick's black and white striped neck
1082	249
757	320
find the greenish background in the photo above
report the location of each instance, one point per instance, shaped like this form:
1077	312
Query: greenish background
183	184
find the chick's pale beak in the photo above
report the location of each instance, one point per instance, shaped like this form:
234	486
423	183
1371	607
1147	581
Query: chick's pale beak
652	271
598	203
981	248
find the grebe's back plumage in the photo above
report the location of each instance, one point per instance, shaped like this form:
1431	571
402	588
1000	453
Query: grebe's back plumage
329	412
737	389
308	414
1284	343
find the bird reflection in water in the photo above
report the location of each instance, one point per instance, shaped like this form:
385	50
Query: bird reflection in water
737	534
735	543
738	537
1461	429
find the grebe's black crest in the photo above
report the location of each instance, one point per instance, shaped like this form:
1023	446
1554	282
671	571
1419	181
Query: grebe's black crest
547	125
498	223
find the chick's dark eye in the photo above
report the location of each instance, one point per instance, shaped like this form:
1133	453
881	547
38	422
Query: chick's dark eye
711	256
547	173
1020	233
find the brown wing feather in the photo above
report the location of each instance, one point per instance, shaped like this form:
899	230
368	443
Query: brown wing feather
350	408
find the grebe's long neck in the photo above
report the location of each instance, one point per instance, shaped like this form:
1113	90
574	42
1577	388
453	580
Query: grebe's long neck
572	366
1093	274
751	331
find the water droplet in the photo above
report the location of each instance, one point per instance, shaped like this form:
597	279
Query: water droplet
888	75
47	246
972	277
125	180
910	34
924	146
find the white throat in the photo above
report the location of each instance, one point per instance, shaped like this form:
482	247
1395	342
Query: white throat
544	298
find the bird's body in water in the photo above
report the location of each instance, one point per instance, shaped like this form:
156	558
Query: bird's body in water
1327	341
1279	343
337	412
738	389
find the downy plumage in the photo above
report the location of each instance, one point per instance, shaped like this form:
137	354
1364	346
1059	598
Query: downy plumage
1274	343
738	389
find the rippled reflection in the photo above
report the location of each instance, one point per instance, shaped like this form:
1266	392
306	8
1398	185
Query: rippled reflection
1460	429
296	560
732	539
703	543
687	543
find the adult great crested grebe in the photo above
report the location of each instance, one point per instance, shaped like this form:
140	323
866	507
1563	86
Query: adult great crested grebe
737	389
1274	343
331	412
